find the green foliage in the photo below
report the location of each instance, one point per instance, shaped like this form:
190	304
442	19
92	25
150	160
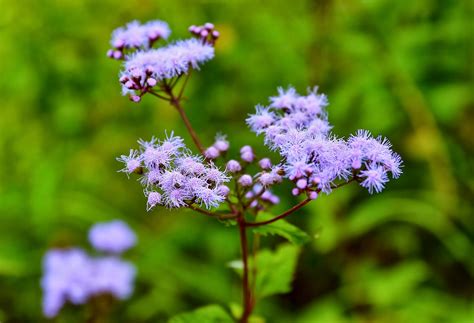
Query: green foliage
275	270
206	314
281	228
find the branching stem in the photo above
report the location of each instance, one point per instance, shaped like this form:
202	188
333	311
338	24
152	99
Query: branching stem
281	216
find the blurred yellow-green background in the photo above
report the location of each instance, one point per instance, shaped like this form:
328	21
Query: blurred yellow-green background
398	68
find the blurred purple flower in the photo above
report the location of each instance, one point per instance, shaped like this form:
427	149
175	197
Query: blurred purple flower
114	236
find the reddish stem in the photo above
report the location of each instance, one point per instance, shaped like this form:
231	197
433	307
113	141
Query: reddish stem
246	293
281	216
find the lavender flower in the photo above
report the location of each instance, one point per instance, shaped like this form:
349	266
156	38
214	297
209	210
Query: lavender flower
144	69
246	154
233	166
221	143
132	162
114	236
70	275
135	35
297	127
245	180
174	178
112	275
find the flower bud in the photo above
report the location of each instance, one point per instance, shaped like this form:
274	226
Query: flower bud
265	163
223	190
313	195
151	81
233	166
135	98
211	153
302	183
245	180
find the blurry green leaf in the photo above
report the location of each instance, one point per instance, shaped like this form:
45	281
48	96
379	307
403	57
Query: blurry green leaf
206	314
275	270
282	228
236	311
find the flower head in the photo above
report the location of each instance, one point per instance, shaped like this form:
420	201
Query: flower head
146	68
114	236
174	178
135	35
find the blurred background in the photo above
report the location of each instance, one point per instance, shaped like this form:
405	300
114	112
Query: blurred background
401	69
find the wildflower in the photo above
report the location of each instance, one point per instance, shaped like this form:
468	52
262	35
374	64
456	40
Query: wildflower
146	68
245	180
375	178
233	166
154	199
313	158
172	177
246	154
135	35
132	162
114	236
265	163
221	143
211	153
70	275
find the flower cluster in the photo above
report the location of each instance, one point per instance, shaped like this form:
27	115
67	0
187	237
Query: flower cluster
112	237
135	35
145	67
71	275
297	127
173	177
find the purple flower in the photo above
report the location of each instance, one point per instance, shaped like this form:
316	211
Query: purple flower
265	163
314	159
66	278
112	275
70	275
114	236
233	166
154	199
136	35
211	153
163	63
375	178
246	154
221	143
174	178
245	180
132	162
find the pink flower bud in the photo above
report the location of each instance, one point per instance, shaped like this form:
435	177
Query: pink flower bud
247	156
221	145
135	98
265	163
233	166
117	54
295	191
301	183
313	195
211	153
223	190
151	81
209	25
245	180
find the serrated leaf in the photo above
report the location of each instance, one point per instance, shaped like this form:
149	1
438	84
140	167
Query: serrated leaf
275	270
282	228
206	314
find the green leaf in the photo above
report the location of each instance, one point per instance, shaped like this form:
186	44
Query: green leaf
275	270
282	228
206	314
